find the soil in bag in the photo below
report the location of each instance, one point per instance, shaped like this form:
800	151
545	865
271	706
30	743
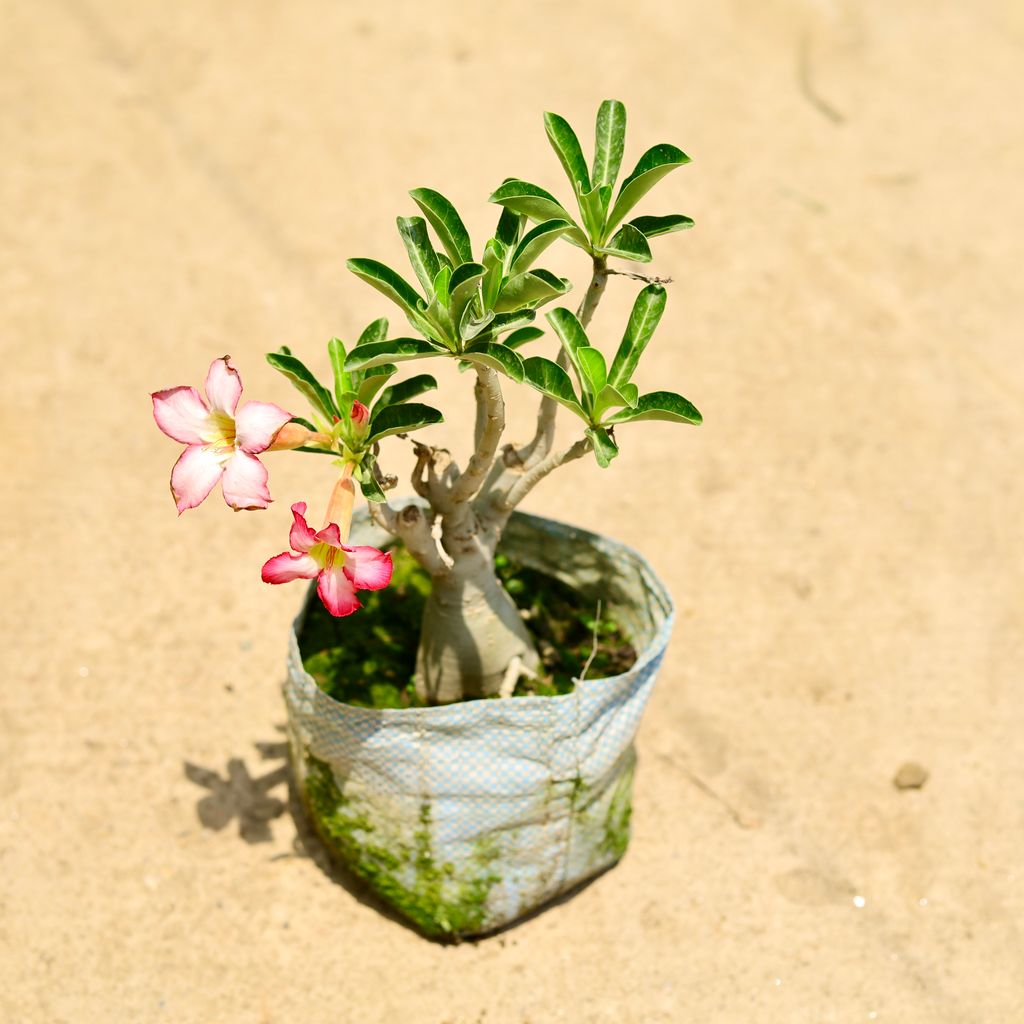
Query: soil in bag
373	665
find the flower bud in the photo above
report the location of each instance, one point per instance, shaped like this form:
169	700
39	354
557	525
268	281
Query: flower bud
295	435
360	415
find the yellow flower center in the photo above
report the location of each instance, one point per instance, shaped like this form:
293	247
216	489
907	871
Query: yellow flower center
326	555
220	434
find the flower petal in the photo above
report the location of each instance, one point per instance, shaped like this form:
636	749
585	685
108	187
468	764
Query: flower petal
245	482
256	425
368	568
194	476
223	385
286	567
330	534
301	537
337	593
180	413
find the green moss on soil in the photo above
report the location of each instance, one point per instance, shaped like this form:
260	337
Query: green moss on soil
402	872
369	661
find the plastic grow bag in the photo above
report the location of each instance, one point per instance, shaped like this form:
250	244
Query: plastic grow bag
467	816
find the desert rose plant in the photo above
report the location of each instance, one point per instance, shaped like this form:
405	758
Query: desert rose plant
481	311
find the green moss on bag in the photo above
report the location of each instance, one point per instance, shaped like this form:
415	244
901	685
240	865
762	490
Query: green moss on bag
402	870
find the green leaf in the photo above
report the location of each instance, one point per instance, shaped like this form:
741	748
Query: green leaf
659	405
547	377
605	449
463	288
593	207
404	390
440	285
317	451
629	244
534	202
643	321
572	336
472	324
368	480
497	357
652	226
522	336
595	371
300	420
650	169
399	419
509	227
436	325
494	270
439	322
305	382
533	288
445	220
377	331
342	384
503	322
610	397
395	351
610	142
421	253
569	152
534	242
388	283
630	392
374	378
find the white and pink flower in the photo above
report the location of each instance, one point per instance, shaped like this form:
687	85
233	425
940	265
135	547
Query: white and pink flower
338	569
220	443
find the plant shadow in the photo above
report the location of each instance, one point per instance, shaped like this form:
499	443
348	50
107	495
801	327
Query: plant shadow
237	795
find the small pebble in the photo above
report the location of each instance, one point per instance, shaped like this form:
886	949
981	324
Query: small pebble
910	776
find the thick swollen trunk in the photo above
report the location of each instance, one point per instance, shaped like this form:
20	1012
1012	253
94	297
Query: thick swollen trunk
472	631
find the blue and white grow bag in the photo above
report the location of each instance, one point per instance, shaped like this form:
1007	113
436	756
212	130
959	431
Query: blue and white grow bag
467	816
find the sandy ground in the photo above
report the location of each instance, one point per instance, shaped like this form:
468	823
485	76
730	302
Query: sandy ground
844	535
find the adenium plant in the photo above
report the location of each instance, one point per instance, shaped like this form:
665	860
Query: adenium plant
481	312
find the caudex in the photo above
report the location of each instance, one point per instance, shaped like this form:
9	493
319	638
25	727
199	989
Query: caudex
481	312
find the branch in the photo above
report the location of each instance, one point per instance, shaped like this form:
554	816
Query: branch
595	290
544	436
413	528
490	425
533	476
384	516
648	278
425	481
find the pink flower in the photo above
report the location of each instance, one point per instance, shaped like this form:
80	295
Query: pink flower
220	444
339	570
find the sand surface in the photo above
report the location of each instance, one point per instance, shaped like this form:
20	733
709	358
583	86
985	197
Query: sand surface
844	535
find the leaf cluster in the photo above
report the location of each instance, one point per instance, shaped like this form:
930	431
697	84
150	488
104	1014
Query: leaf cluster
600	229
482	311
604	396
463	306
392	410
